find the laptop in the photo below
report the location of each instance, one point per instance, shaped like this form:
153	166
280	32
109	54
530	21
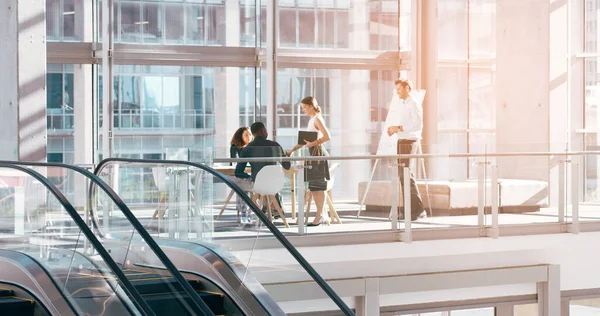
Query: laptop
306	135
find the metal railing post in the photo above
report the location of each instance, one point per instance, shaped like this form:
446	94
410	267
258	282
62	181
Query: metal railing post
495	233
561	191
407	206
481	195
575	198
395	184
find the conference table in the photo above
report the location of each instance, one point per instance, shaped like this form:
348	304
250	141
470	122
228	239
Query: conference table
230	171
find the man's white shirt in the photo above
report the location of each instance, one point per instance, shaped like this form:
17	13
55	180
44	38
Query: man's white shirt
410	117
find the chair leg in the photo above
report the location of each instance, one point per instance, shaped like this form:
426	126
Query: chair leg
271	199
333	213
307	213
268	198
225	205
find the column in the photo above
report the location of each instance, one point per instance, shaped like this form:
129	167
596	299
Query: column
227	80
23	83
522	116
558	93
426	54
354	104
82	100
576	93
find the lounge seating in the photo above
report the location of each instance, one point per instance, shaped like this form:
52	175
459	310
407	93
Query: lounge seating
460	197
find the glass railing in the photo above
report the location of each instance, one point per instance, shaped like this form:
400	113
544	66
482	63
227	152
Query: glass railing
463	195
39	222
141	260
188	209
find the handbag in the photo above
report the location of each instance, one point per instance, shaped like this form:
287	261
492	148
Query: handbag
316	171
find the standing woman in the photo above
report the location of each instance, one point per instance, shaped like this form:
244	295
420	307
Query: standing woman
316	123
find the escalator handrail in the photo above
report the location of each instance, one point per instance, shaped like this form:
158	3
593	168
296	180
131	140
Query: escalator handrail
87	232
19	256
263	218
199	306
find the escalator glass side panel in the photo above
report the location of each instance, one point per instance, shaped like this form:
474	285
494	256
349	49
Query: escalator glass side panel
224	271
105	213
35	222
192	202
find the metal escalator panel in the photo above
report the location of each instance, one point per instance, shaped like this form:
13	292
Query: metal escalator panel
126	241
38	224
186	201
219	271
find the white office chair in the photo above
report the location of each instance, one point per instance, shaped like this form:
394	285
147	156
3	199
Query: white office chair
268	182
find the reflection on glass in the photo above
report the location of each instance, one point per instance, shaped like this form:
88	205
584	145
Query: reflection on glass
592	119
65	19
482	98
481	143
49	236
482	29
175	23
451	168
452	98
453	29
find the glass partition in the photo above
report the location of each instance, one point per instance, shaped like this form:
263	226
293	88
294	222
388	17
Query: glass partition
190	209
139	258
37	223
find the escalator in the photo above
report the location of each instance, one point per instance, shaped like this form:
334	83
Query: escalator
40	265
180	271
158	291
235	256
10	304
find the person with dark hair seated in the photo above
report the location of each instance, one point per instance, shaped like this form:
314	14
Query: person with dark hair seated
260	147
241	138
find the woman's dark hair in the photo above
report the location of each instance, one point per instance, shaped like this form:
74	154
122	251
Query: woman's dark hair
312	102
238	139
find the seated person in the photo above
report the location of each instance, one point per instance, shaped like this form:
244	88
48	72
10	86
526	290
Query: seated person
241	138
259	147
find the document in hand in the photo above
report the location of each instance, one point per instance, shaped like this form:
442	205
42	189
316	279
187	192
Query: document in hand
306	135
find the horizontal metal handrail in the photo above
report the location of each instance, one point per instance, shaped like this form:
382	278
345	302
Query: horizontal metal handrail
372	157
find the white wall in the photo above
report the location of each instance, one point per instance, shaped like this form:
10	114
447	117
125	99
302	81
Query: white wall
522	111
577	256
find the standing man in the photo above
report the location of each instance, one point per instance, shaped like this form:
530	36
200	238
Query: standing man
408	130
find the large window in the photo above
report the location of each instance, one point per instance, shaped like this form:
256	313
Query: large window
341	24
178	23
466	81
190	96
66	19
592	98
60	103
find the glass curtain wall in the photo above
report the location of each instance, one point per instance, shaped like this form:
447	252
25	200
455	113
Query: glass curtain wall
167	98
592	100
466	82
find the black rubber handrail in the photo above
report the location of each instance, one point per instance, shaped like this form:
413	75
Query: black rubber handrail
68	207
199	307
263	218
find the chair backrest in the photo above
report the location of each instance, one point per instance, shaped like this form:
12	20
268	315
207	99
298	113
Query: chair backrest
160	177
269	180
332	168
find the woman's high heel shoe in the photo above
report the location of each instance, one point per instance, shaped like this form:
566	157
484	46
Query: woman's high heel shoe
321	221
